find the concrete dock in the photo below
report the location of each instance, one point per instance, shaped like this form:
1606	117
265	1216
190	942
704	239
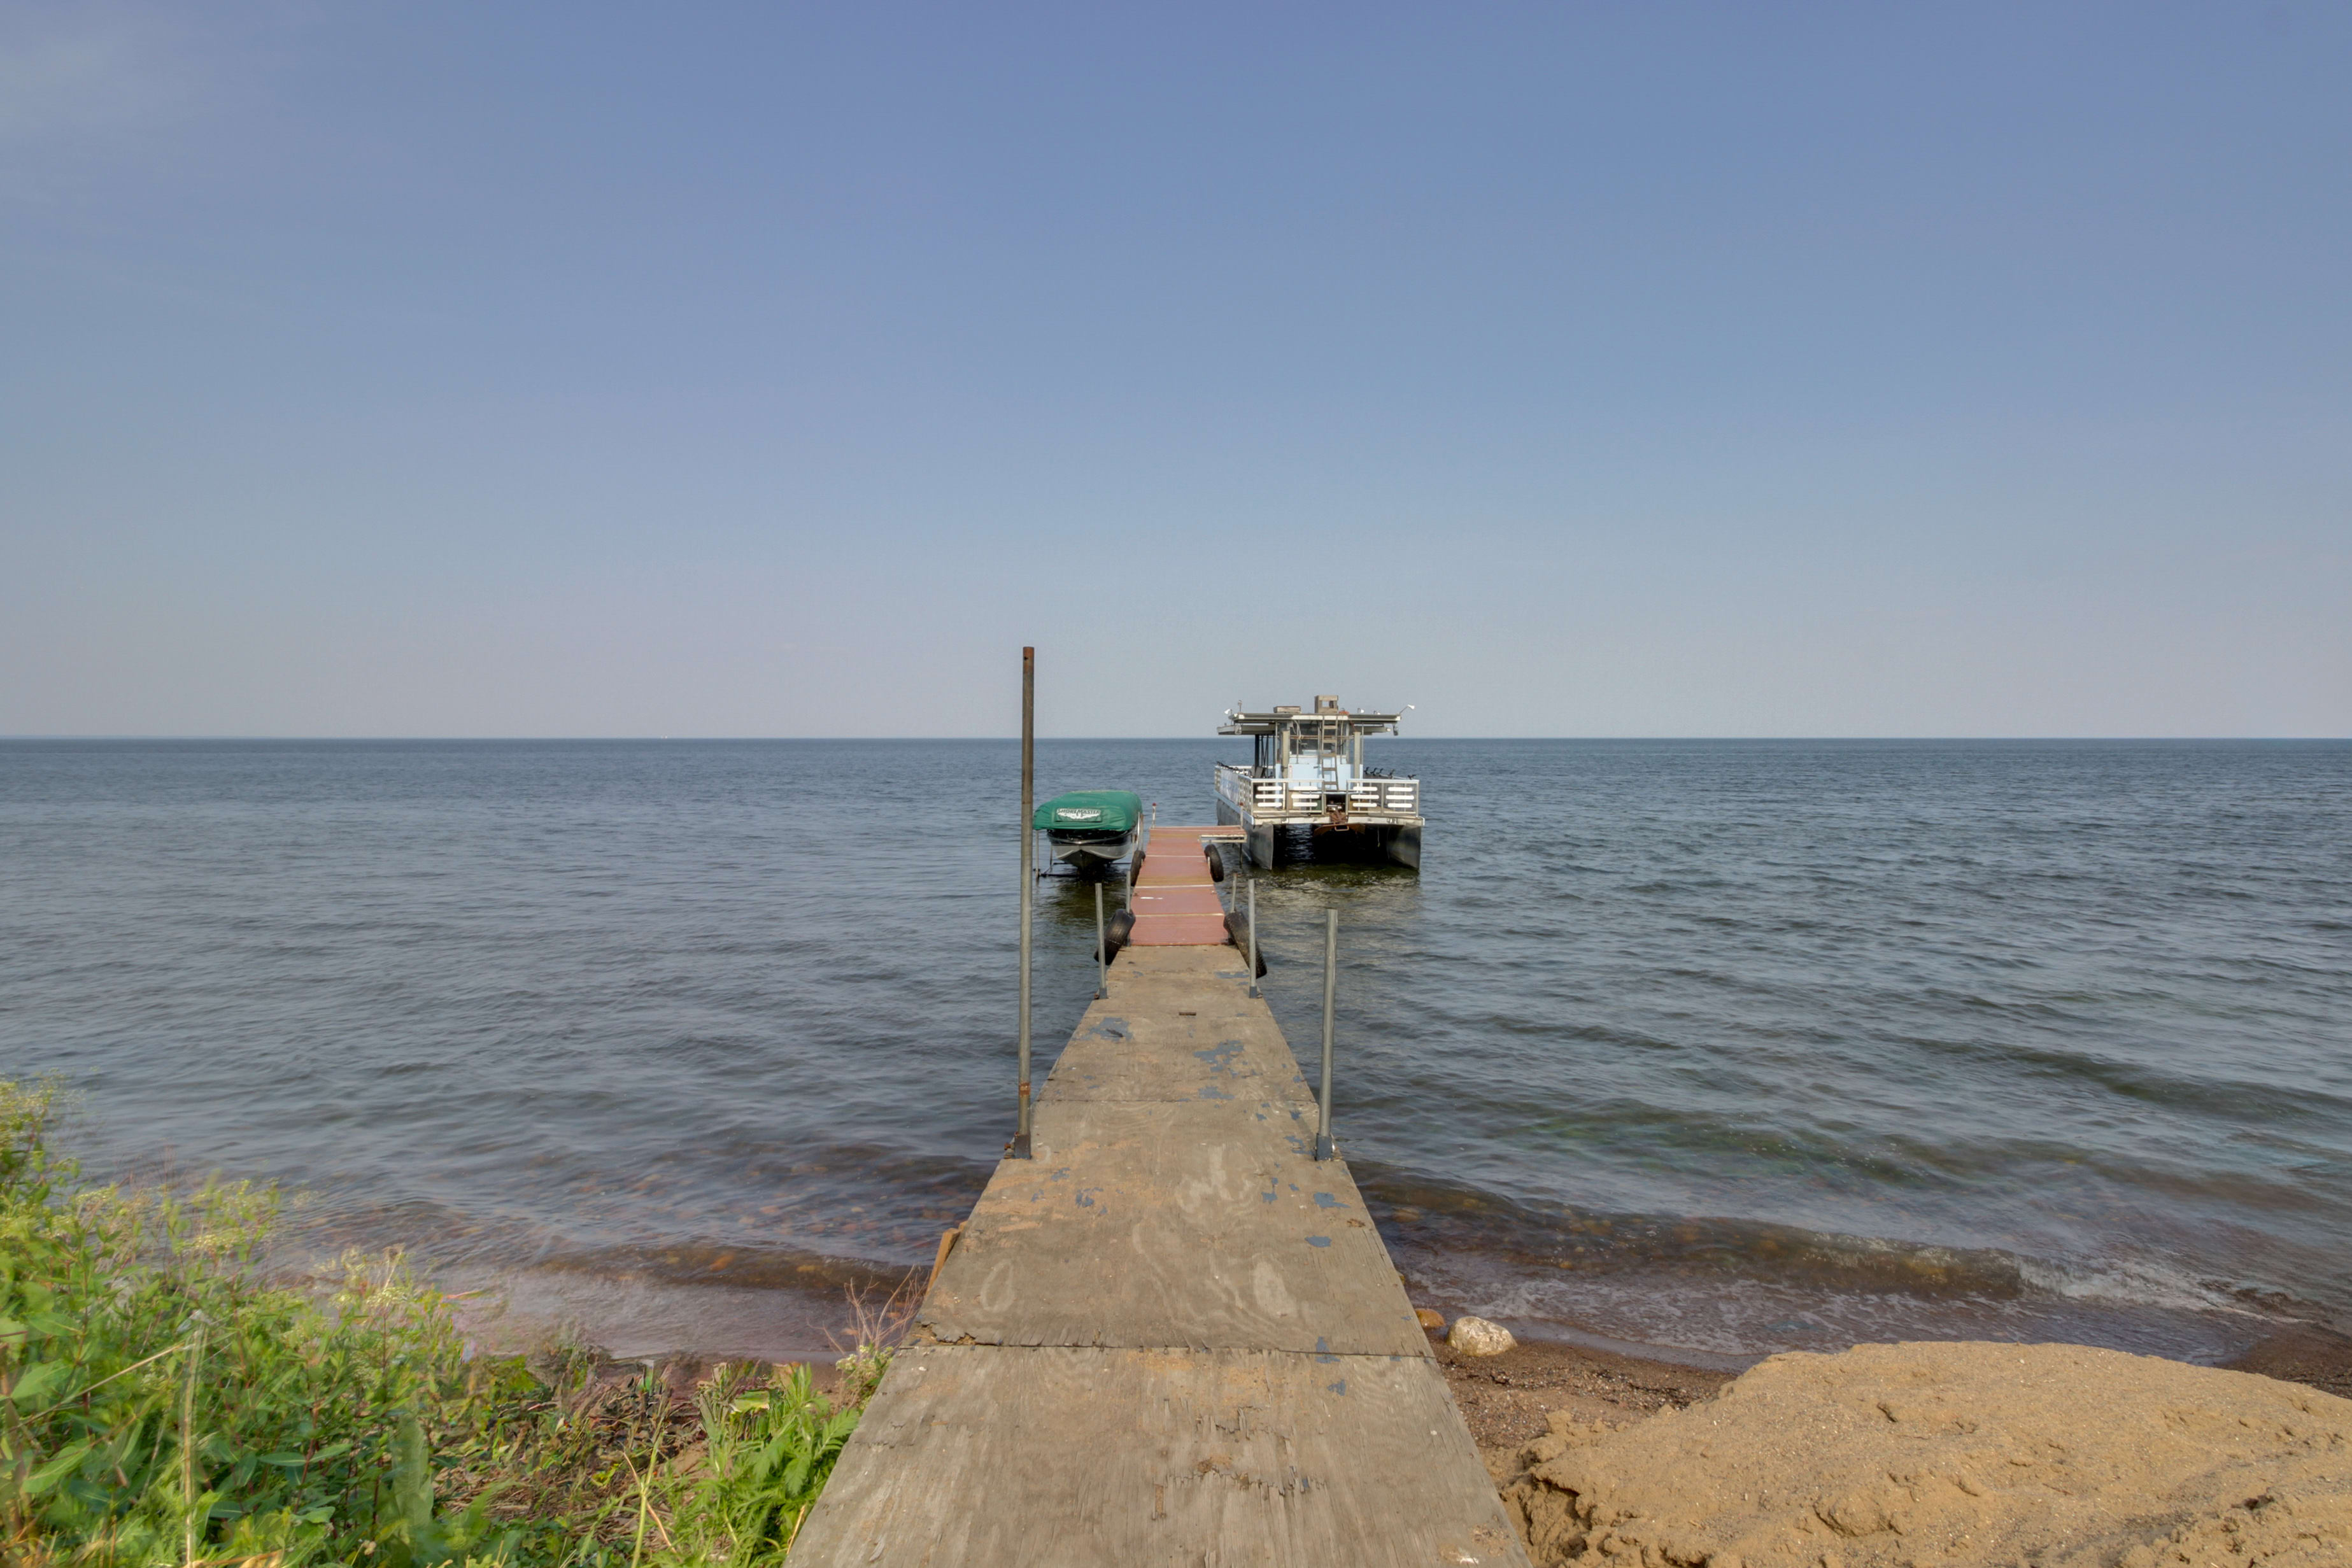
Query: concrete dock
1172	1337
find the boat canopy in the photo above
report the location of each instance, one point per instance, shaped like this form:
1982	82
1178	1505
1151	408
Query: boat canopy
1326	719
1090	811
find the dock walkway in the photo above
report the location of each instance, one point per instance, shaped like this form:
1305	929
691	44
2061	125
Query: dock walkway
1172	1337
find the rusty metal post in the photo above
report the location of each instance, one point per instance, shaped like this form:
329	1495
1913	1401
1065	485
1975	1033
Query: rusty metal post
1250	887
1324	1147
1102	949
1019	1148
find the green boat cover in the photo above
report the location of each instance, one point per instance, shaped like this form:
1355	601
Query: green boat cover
1091	810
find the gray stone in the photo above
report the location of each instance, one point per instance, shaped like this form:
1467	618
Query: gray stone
1476	1337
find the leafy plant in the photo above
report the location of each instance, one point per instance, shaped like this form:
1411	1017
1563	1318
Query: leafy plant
767	1452
162	1403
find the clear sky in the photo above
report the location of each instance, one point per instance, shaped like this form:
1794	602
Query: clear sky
410	369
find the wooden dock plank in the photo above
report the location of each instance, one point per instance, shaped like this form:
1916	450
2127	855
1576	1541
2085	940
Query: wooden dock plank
1175	853
1166	1054
1175	900
1180	931
1171	1337
1205	1223
1081	1458
1182	899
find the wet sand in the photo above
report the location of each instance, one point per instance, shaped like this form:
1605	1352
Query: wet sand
2307	1353
1507	1399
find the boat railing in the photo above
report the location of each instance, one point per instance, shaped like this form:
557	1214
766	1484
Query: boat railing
1385	795
1239	787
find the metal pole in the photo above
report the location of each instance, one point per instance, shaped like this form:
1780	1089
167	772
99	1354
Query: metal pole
1324	1148
1102	950
1019	1148
1250	888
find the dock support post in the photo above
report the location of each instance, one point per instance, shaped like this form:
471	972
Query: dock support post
1102	950
1324	1147
1250	887
1019	1148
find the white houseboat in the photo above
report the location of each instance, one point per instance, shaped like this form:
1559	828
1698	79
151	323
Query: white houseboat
1308	772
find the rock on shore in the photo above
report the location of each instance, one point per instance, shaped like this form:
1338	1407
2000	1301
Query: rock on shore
1476	1337
1892	1456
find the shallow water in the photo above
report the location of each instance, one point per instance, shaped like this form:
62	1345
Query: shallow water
1704	1047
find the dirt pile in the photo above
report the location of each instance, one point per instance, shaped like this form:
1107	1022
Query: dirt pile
1908	1456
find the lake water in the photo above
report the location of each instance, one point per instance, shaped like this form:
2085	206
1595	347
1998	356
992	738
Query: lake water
1707	1047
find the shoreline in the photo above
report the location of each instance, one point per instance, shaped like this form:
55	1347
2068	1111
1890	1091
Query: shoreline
1508	1400
634	1317
2312	1354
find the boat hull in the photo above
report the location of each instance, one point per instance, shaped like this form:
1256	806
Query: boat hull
1089	854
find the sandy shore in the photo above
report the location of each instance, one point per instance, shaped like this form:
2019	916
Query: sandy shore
1902	1455
1506	1399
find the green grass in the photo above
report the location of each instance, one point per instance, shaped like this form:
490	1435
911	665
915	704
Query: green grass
163	1404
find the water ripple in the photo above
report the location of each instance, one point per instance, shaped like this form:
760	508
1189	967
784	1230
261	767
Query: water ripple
1722	1048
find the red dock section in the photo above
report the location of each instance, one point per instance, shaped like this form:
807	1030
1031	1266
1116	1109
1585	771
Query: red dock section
1176	901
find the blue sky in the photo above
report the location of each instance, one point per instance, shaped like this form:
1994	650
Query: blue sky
1564	369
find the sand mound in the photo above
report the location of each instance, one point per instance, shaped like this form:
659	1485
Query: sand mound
1921	1455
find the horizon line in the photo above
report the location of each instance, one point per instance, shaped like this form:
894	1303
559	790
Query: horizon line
990	740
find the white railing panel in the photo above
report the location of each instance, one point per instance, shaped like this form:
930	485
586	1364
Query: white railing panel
1238	786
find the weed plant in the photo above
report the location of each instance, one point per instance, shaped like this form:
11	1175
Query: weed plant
161	1404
